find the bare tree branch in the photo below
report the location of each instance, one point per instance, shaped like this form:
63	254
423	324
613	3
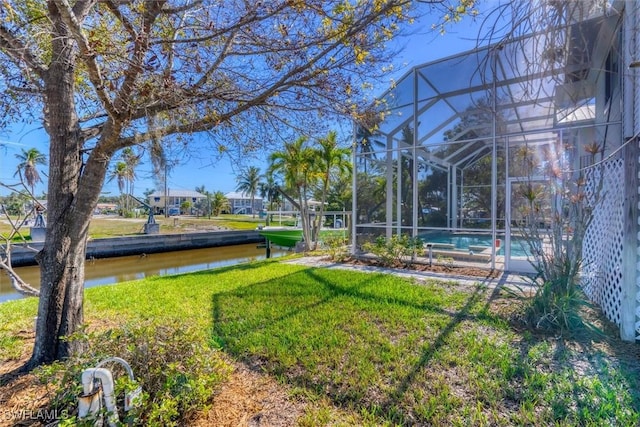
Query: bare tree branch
88	55
16	49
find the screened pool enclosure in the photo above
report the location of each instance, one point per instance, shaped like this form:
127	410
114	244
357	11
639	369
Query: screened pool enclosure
459	145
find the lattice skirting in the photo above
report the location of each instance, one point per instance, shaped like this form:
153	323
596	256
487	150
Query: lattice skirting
602	245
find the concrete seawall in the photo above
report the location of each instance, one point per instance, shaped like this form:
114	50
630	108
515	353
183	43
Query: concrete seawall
147	243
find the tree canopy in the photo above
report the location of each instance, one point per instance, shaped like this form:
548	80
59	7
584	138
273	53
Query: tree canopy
169	68
102	76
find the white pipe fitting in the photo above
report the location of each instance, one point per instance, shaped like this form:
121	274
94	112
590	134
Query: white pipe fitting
90	405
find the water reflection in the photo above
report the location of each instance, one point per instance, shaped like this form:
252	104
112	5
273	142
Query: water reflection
121	269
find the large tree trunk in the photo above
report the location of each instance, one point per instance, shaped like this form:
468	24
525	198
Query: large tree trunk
74	189
62	258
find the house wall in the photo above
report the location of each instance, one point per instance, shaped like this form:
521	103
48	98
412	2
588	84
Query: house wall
244	206
630	295
158	202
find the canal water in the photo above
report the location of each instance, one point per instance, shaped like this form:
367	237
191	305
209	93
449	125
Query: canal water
121	269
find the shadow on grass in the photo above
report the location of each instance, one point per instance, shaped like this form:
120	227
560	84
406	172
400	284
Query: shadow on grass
439	341
584	377
290	298
333	291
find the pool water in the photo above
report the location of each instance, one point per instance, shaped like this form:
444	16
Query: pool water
462	242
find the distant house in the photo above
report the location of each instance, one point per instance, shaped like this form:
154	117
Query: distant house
104	208
240	203
173	200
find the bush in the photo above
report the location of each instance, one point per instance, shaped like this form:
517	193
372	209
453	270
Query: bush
554	304
336	247
398	250
177	369
558	301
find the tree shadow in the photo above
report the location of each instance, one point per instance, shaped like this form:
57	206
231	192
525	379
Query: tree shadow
580	358
13	374
476	307
334	291
331	290
439	341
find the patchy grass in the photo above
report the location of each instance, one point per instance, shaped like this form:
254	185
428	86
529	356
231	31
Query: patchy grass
374	349
17	320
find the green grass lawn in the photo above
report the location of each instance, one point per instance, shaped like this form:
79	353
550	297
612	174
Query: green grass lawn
374	349
115	226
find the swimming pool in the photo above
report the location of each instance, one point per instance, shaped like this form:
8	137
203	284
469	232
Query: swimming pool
472	242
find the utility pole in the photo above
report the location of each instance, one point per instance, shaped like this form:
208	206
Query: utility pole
166	192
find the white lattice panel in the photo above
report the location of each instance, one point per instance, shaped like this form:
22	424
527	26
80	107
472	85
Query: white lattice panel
636	130
602	245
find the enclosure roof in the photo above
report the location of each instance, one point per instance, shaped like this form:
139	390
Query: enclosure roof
528	85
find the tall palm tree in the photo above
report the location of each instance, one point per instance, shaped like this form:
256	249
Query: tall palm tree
132	160
120	173
248	183
295	165
27	167
330	159
367	140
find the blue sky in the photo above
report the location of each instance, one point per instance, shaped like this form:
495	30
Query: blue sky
423	45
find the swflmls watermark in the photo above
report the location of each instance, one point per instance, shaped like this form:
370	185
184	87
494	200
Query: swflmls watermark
44	416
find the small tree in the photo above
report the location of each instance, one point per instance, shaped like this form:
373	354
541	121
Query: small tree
331	160
296	165
14	204
185	206
219	203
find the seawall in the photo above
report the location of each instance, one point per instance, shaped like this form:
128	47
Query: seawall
145	243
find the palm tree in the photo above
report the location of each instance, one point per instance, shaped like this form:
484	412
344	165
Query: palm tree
132	160
330	159
120	172
248	184
219	203
269	190
27	166
367	139
204	205
295	164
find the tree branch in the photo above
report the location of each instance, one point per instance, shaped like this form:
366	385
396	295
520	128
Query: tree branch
113	8
16	50
141	46
88	54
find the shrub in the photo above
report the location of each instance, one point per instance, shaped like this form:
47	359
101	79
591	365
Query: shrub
558	301
176	368
446	261
336	247
554	217
398	250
